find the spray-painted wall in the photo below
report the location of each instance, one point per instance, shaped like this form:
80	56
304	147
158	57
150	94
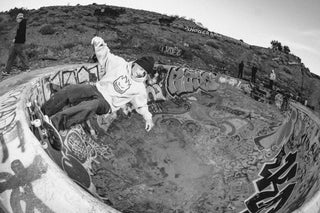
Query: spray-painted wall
30	180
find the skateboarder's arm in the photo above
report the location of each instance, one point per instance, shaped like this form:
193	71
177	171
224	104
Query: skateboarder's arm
140	104
106	59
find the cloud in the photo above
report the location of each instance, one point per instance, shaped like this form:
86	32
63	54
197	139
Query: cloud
304	47
314	33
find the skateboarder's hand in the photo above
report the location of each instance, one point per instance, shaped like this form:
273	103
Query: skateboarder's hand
149	125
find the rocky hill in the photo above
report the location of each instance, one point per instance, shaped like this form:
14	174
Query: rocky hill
62	34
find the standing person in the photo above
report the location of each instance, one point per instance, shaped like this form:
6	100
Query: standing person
123	82
285	102
254	71
240	71
272	79
18	46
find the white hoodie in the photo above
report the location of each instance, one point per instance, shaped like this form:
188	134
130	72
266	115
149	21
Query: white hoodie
117	86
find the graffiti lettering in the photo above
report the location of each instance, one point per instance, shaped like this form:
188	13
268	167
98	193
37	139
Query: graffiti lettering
77	76
183	81
229	80
174	51
7	110
230	110
155	93
213	34
5	154
69	77
76	146
274	175
200	31
89	75
8	119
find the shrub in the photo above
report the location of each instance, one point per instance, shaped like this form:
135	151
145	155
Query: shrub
195	46
77	27
212	44
109	12
167	20
57	21
32	50
187	54
286	49
47	29
69	45
14	12
287	70
42	11
276	45
2	28
35	18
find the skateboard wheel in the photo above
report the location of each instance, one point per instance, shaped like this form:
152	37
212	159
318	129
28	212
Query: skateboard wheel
36	122
44	145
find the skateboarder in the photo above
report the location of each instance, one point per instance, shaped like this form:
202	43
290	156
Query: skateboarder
123	82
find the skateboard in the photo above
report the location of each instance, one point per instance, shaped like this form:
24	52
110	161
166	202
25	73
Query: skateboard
46	130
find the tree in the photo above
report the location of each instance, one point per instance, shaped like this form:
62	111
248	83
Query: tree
286	49
276	45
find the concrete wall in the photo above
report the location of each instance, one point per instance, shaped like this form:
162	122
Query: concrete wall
30	179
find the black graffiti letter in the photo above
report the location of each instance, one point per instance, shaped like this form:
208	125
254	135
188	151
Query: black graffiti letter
273	199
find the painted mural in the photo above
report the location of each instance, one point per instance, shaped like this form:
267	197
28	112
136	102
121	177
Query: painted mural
245	148
213	148
20	185
16	178
79	150
10	128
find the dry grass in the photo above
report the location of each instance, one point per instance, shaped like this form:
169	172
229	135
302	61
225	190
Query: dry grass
65	32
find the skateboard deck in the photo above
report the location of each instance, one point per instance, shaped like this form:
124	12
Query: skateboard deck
48	130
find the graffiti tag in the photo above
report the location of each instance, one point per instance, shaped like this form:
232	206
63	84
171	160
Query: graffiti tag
269	197
174	51
183	81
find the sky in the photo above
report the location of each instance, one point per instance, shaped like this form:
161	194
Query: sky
294	23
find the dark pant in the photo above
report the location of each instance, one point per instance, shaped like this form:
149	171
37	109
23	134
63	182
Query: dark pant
83	101
17	51
253	78
271	84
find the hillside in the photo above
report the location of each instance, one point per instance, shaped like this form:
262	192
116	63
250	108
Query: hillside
62	35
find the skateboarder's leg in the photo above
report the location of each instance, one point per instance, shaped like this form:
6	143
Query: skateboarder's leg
69	95
79	113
